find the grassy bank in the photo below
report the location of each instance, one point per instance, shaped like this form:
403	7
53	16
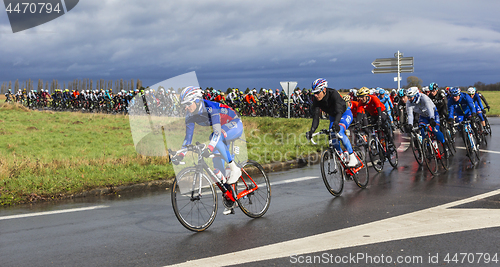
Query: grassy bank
46	155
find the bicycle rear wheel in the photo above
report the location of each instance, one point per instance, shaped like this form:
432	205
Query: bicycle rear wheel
429	156
332	173
362	177
376	156
195	208
256	203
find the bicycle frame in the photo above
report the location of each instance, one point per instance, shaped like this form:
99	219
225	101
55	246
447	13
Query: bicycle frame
201	166
432	139
348	170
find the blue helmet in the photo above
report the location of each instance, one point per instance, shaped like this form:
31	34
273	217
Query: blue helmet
380	90
433	86
318	85
454	91
401	92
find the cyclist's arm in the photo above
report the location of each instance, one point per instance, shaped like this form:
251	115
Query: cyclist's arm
483	98
316	111
189	134
409	111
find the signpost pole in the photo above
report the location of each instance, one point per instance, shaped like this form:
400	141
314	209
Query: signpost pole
399	72
288	91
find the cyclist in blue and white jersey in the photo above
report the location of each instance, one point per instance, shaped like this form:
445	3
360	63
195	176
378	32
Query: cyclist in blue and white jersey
428	114
460	105
225	123
477	103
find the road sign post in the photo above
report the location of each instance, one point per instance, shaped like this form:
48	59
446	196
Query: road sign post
398	64
288	87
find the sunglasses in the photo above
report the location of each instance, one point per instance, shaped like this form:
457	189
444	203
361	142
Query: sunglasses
186	104
317	93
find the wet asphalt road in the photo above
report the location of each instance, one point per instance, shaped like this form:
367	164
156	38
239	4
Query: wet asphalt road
141	229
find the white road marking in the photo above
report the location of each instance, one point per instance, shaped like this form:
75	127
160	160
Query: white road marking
482	150
432	221
50	212
403	147
295	180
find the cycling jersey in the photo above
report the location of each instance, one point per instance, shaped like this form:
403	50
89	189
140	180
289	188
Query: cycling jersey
463	107
372	105
210	114
332	103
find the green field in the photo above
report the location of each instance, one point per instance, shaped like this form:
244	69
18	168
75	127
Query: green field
46	155
52	154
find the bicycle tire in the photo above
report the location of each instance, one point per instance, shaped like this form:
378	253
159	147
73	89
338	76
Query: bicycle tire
375	155
416	148
449	142
332	173
190	210
445	158
487	126
471	147
256	203
429	156
362	177
392	154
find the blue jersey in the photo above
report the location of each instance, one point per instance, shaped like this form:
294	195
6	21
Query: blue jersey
386	100
477	102
209	114
463	107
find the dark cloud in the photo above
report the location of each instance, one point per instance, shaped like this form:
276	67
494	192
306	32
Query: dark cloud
258	43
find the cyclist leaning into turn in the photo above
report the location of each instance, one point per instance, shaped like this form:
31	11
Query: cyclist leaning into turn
331	102
375	109
226	126
422	105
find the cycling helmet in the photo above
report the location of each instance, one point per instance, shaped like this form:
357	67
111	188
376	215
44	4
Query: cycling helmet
401	92
433	86
346	98
191	94
413	92
454	91
318	85
425	89
363	92
471	90
380	91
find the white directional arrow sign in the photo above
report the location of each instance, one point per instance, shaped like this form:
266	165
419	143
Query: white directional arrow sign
392	62
398	64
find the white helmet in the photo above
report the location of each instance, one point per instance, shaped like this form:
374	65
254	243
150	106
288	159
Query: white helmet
471	90
191	94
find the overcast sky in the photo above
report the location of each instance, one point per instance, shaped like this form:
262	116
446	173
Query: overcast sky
259	43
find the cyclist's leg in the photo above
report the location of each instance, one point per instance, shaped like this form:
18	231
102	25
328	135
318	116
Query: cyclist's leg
230	131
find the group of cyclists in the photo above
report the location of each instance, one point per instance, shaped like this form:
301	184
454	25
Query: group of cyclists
405	109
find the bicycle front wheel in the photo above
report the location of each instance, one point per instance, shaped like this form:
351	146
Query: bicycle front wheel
332	173
376	156
444	158
362	177
195	201
392	154
429	156
253	202
416	148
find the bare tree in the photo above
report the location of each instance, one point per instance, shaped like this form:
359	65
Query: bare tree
16	86
414	81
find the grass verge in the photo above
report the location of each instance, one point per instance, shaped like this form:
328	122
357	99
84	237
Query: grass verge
48	155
